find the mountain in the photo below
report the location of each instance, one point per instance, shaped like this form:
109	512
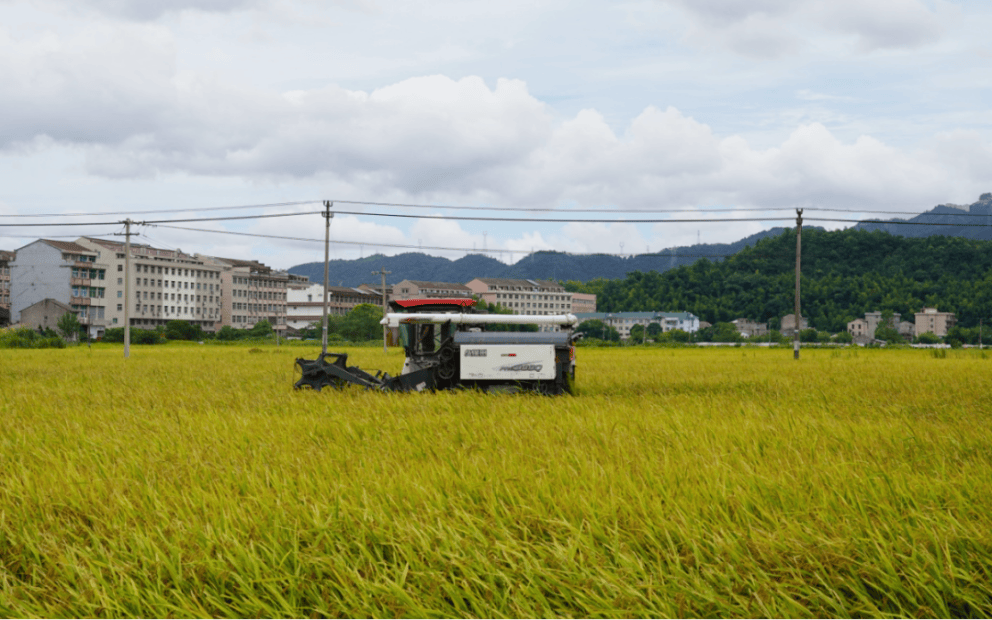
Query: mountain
583	268
976	225
539	265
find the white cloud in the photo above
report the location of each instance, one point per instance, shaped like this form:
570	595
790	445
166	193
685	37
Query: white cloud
773	28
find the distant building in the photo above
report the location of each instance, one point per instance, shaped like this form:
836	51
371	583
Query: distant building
165	285
874	320
624	321
858	328
5	258
788	324
906	329
45	314
583	302
64	271
306	306
748	328
419	289
539	297
934	322
251	292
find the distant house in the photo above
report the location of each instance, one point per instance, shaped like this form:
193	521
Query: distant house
45	314
906	329
748	328
788	324
859	329
937	323
874	320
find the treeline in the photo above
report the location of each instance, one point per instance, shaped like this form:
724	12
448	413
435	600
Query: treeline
844	275
184	330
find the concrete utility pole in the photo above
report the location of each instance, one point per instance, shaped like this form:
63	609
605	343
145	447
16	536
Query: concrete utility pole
127	287
799	251
383	273
327	245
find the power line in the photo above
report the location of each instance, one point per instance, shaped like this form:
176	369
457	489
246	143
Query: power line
423	247
504	219
172	210
198	219
619	210
487	208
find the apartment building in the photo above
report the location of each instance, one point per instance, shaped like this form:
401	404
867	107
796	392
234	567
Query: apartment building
539	297
5	259
166	285
937	323
419	289
583	302
251	292
63	271
305	306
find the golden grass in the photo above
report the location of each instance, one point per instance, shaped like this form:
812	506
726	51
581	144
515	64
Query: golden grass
193	481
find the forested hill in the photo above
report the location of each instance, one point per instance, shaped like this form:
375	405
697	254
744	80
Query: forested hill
539	265
844	274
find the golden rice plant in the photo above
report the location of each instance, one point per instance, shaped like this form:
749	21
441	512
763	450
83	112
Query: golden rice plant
193	481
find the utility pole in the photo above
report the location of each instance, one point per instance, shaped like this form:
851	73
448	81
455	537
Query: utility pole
127	287
799	248
327	245
383	273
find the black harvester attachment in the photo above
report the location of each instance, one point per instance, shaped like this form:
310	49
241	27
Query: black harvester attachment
320	373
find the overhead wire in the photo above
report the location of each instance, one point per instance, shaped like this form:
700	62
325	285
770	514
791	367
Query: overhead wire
425	247
612	209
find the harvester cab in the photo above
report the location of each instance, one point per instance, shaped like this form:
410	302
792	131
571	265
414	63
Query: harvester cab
449	345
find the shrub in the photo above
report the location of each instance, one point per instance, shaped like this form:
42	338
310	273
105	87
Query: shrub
27	338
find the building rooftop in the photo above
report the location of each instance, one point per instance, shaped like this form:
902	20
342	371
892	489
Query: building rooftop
448	285
522	283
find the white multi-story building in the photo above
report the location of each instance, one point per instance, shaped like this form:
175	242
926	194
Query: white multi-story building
67	272
305	306
165	285
623	321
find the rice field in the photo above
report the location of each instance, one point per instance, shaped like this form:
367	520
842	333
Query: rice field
193	481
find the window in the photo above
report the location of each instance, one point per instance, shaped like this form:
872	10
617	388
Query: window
120	307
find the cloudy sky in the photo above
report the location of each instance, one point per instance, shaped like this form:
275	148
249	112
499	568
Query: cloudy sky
128	106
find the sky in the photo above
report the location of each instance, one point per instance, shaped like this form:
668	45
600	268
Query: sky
653	109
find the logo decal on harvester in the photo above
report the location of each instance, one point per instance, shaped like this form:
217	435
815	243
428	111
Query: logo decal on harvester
475	352
525	367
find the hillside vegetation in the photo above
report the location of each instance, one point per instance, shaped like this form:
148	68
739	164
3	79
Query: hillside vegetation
844	274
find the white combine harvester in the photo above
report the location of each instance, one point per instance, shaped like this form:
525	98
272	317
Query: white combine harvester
448	346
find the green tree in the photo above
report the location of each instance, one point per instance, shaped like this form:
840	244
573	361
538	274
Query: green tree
654	330
262	329
362	323
183	330
843	338
68	325
888	334
927	338
595	328
228	333
637	334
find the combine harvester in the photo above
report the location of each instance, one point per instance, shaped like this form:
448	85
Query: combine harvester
447	346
